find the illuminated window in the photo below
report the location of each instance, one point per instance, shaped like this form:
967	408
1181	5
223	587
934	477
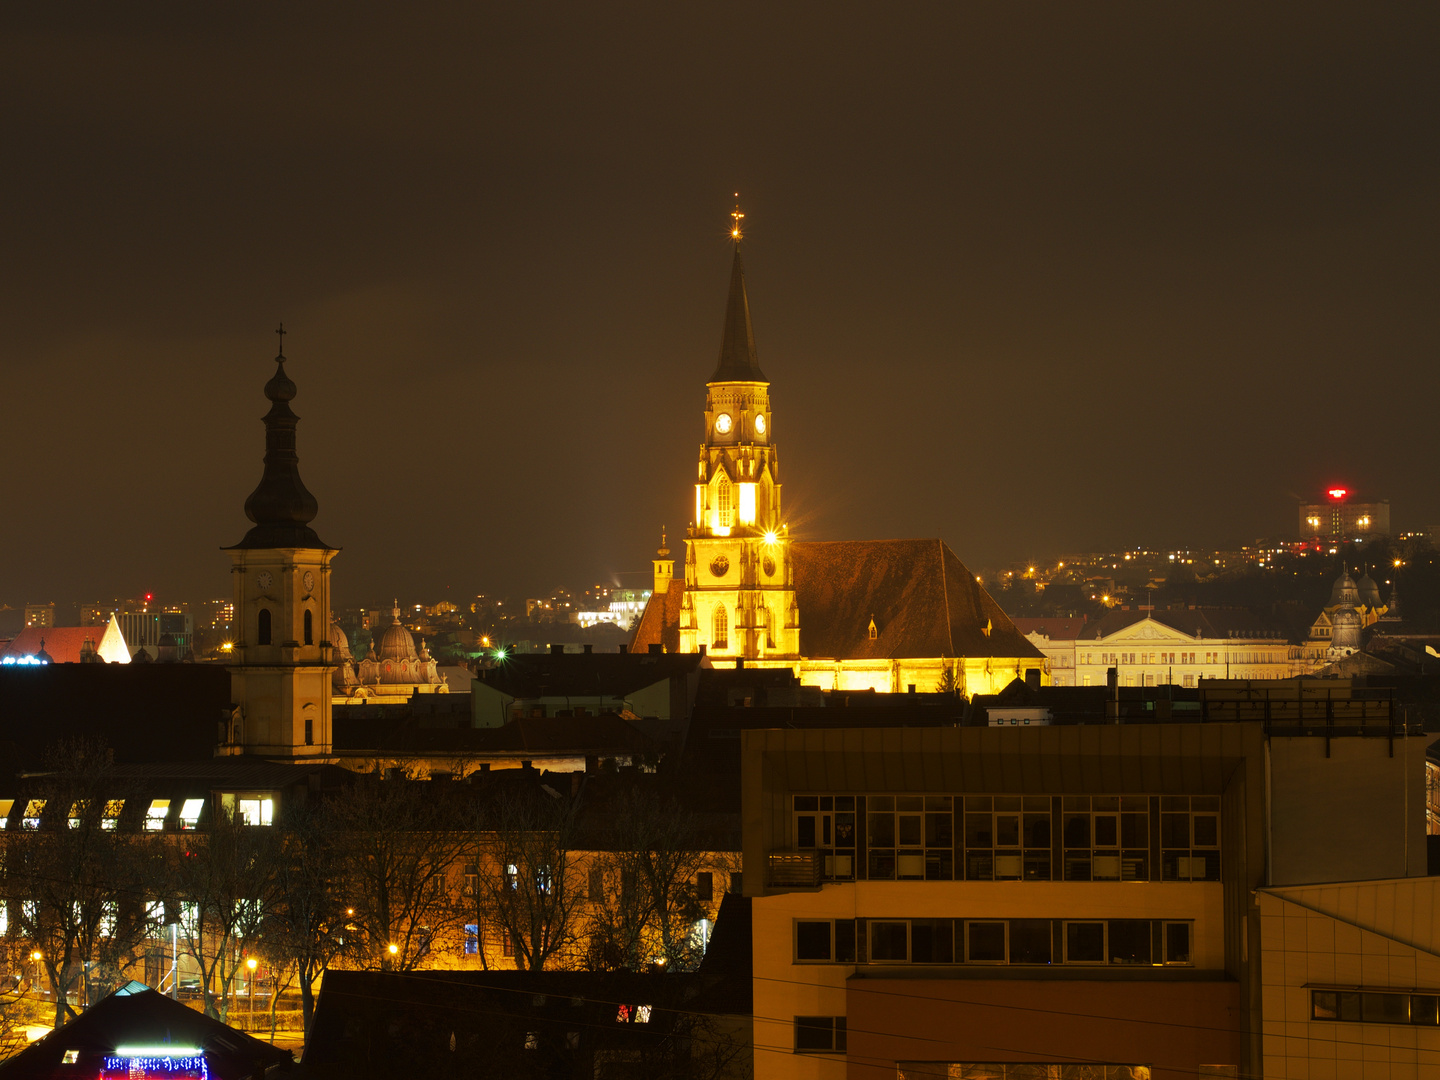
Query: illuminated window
190	812
6	805
33	809
724	502
155	816
721	637
77	813
256	811
112	813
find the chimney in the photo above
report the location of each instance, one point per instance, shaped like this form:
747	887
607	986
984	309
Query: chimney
589	649
1112	678
1032	678
624	648
912	688
557	650
739	663
656	649
703	648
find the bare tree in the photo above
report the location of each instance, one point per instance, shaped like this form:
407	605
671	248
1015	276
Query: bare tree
647	913
307	930
74	886
397	844
526	889
220	885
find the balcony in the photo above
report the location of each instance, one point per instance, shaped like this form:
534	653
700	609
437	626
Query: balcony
794	869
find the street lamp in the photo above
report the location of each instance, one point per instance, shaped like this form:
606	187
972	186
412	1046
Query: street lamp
251	963
36	956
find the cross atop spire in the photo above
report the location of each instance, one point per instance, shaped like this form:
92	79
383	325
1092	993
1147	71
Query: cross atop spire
736	232
281	332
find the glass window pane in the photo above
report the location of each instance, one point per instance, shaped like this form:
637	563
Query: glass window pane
1207	830
1423	1009
1037	830
931	941
1385	1008
977	802
889	940
1030	941
1134	830
987	942
845	941
938	830
814	1032
1077	830
1129	941
805	831
1085	943
1322	1005
910	802
1347	1005
910	833
882	830
1177	943
845	830
1174	830
978	831
812	941
1107	832
1007	830
1007	802
805	802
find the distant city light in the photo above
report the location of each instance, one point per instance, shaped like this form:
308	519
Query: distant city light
1338	493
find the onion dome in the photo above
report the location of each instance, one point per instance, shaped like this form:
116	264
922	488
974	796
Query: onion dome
281	506
1369	592
1344	592
396	642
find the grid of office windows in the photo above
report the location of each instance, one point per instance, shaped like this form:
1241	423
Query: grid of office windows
1011	837
1376	1007
1150	942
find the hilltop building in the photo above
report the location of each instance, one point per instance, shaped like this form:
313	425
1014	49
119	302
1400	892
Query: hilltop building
887	615
1336	519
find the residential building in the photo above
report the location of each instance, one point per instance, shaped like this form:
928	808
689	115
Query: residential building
1336	518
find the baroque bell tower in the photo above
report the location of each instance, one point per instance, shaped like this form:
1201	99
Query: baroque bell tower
739	582
280	572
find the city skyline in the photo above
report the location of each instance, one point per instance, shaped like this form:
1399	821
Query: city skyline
1026	285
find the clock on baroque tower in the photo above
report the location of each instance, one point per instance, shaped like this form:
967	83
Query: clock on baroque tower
739	581
282	664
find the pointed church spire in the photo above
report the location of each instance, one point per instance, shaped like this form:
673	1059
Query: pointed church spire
281	506
737	345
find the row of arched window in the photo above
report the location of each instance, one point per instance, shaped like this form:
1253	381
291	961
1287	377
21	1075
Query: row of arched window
263	635
720	628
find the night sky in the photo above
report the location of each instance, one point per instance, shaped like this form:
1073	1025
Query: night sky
1034	279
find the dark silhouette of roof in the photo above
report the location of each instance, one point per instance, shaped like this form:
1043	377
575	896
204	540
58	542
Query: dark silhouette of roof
604	734
528	675
924	601
281	506
144	712
737	345
1054	627
135	1015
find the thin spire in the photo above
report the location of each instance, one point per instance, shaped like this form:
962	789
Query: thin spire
737	233
738	361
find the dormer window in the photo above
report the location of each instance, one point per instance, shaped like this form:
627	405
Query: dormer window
111	818
33	809
874	632
190	812
156	815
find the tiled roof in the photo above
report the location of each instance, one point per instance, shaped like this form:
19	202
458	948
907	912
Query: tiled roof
925	603
1055	627
1197	622
61	643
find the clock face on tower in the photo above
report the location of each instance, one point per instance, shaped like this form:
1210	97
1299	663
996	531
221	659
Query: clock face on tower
263	579
722	423
760	424
308	581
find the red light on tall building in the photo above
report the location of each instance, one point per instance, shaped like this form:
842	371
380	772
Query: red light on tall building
1338	493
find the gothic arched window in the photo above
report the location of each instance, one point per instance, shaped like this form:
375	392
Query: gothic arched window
724	501
721	637
309	627
262	636
769	628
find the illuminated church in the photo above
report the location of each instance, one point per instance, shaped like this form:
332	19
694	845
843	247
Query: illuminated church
887	615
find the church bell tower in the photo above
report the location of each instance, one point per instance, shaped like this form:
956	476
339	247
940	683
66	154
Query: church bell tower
739	582
280	572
